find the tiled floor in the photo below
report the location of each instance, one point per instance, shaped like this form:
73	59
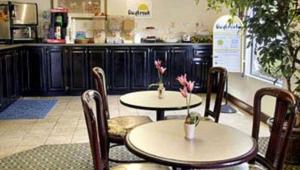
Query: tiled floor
65	124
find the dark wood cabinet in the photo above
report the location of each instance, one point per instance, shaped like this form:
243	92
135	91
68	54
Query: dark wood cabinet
10	75
119	70
200	64
66	70
97	58
55	63
138	71
8	78
178	65
34	71
162	54
77	65
1	81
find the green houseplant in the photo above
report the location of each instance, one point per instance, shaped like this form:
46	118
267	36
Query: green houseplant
275	27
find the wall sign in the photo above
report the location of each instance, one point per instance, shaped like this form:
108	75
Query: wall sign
139	8
227	44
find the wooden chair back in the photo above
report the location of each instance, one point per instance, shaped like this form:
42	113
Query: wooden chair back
97	128
217	76
282	125
100	80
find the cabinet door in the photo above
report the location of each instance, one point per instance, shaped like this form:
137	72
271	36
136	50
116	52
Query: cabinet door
119	74
34	71
178	65
138	70
163	54
55	70
201	63
10	76
97	58
1	81
77	66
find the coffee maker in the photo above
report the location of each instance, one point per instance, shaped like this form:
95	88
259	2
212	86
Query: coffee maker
58	26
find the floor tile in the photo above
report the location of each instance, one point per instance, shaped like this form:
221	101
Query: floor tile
65	123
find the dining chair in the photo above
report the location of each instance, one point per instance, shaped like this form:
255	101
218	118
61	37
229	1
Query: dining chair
281	128
117	126
96	121
284	119
216	80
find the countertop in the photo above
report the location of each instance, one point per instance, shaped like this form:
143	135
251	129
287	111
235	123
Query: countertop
3	47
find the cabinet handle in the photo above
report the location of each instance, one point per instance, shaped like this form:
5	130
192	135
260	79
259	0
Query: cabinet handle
67	88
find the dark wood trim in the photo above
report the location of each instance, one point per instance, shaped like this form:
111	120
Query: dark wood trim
245	106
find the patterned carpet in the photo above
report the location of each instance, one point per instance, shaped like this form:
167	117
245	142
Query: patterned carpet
70	156
28	109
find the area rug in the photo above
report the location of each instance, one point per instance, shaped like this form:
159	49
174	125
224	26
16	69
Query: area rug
63	156
28	109
73	156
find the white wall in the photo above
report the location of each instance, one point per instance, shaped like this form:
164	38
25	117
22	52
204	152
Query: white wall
183	13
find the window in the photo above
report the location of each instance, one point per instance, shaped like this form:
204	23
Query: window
255	69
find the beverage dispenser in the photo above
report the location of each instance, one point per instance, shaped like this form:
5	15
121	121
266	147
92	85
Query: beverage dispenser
58	26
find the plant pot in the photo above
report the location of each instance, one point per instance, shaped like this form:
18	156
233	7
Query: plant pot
161	90
189	130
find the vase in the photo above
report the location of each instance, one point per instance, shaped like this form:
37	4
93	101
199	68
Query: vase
161	90
189	130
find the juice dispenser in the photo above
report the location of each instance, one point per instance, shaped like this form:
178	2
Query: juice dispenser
58	26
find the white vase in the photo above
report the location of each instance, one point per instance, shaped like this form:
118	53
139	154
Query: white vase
161	90
189	130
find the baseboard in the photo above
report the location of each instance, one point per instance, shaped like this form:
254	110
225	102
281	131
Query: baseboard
245	106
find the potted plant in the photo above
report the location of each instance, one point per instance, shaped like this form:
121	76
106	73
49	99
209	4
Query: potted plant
274	26
192	119
160	85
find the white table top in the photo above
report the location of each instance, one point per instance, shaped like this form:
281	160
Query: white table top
214	144
172	100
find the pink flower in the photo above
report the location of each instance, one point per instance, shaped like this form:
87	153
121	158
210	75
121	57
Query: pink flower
182	80
184	92
157	64
162	70
190	85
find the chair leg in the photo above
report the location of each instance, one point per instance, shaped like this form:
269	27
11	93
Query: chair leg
122	161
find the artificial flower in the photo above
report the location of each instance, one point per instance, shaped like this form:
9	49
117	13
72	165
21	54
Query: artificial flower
182	80
157	64
184	92
190	85
162	70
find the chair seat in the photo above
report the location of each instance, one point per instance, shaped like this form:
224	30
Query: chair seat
140	166
170	117
120	126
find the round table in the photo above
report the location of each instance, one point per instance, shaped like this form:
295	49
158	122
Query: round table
149	100
215	145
